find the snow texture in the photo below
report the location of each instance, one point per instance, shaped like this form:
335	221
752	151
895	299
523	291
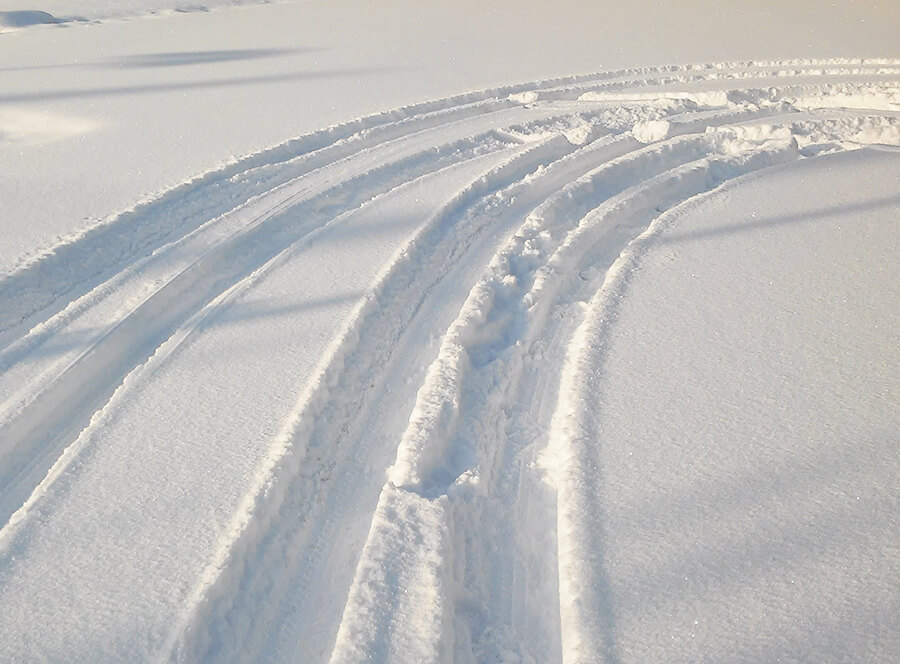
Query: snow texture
595	367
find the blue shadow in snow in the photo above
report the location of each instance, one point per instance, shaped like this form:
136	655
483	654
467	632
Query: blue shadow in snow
176	58
173	86
186	58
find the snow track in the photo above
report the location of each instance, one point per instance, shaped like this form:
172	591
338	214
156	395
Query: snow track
339	380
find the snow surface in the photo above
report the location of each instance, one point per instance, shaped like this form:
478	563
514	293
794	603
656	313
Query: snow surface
733	410
164	98
517	346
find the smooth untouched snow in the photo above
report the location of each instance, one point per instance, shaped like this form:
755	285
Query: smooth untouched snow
593	368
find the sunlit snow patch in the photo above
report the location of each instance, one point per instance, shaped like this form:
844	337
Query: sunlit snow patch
36	127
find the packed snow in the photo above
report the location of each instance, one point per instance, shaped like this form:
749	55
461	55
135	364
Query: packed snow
455	332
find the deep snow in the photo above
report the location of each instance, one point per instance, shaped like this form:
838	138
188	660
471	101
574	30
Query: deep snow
594	368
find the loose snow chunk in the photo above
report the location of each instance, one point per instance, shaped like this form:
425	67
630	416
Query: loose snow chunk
579	133
712	98
651	130
739	139
524	97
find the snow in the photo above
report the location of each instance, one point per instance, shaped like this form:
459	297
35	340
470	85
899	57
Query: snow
25	18
335	331
96	10
651	130
749	510
258	75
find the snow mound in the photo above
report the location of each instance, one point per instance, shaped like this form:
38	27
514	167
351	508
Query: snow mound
102	10
25	18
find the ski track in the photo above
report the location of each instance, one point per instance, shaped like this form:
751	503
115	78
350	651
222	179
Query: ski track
376	485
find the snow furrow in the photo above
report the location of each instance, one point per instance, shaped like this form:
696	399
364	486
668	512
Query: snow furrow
656	83
93	315
440	248
477	374
51	410
108	247
33	436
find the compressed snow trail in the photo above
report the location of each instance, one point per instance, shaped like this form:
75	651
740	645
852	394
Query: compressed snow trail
201	399
53	394
455	549
234	403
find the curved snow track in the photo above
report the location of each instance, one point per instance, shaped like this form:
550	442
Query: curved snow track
294	409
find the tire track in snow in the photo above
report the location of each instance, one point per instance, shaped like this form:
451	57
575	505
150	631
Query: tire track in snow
273	564
33	435
27	412
411	509
37	420
368	357
108	248
452	504
444	247
48	281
